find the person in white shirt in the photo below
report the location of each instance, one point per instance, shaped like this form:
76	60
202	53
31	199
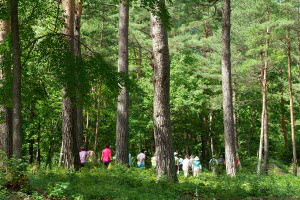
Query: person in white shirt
153	161
185	166
141	159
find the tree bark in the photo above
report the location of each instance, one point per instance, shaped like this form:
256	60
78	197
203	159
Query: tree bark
236	138
227	91
86	137
261	140
211	133
122	135
161	111
291	102
70	146
265	105
17	71
5	110
77	49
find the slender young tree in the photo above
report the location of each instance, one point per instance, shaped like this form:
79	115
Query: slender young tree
5	110
265	120
17	70
161	111
122	135
227	92
291	101
261	140
70	146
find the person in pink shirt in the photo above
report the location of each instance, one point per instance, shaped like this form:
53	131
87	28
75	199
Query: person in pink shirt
106	156
82	155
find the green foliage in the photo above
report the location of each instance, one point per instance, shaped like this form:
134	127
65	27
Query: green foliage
13	176
132	183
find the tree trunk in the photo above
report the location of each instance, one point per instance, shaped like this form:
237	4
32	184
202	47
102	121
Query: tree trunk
31	150
161	111
61	155
204	142
265	105
291	102
152	141
227	91
77	49
50	147
38	148
122	137
283	125
17	71
212	141
70	146
261	140
98	116
86	137
236	138
5	110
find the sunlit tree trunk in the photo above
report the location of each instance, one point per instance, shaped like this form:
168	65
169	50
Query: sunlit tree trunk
261	140
264	100
227	92
122	135
291	102
161	111
5	110
17	71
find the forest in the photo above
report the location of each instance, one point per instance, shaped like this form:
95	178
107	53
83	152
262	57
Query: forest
205	78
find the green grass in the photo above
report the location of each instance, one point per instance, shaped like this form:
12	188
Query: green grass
122	183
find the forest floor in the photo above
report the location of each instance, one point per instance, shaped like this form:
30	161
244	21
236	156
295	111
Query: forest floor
121	183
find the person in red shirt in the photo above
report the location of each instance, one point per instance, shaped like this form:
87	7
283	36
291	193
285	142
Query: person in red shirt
106	156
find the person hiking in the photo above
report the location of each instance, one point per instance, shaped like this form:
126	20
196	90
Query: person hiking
82	155
180	160
197	167
153	161
221	160
90	156
213	163
106	155
185	166
141	159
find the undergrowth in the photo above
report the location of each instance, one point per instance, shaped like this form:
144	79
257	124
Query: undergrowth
131	183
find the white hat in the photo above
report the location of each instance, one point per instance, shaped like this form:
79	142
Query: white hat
175	153
196	158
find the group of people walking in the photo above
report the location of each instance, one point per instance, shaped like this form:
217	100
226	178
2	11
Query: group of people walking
189	162
89	156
